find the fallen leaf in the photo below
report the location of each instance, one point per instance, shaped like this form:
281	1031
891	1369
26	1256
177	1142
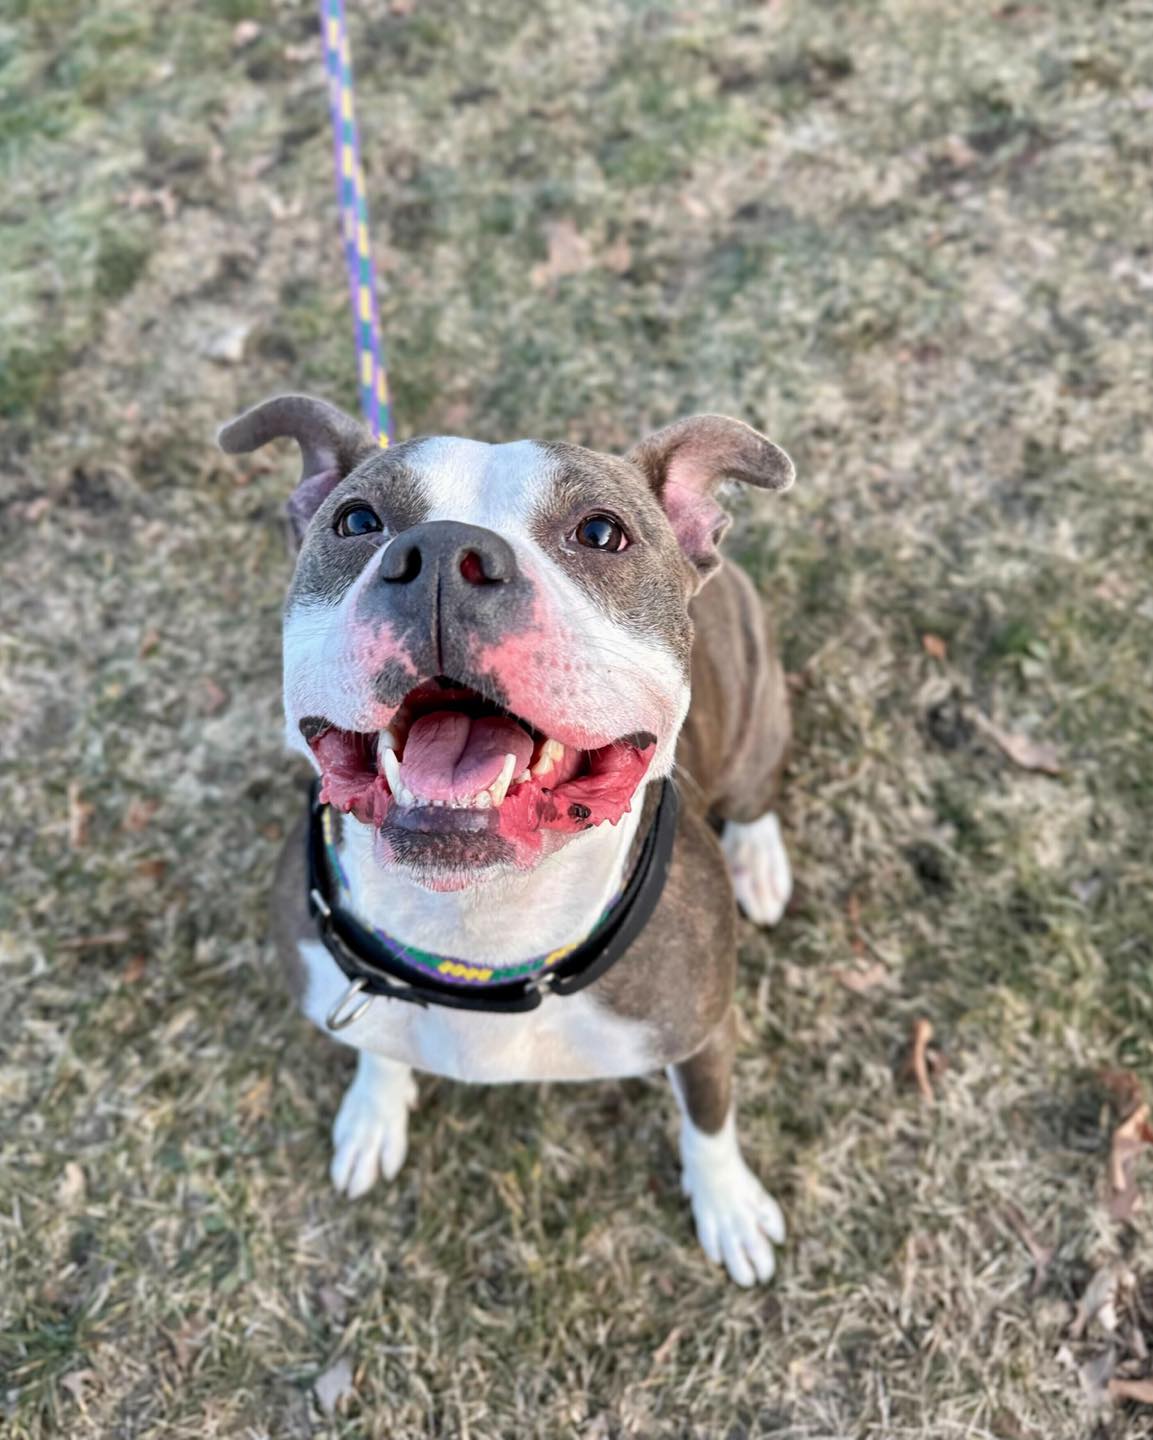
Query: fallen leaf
214	697
244	33
853	910
1041	1255
135	969
1099	1295
859	981
1095	1375
148	642
1140	1390
919	1058
1124	1090
75	1381
228	348
1025	752
154	870
253	1104
37	509
1129	1139
935	647
335	1385
569	253
72	1186
138	814
79	816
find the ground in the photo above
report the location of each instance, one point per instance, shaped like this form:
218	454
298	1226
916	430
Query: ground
912	240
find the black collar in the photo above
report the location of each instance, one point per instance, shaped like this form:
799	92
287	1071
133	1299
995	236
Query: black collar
373	970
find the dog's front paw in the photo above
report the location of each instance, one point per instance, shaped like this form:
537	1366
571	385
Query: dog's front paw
759	867
738	1222
370	1135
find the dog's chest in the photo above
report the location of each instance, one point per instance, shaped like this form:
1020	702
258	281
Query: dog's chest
566	1038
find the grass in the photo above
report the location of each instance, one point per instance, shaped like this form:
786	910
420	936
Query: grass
909	240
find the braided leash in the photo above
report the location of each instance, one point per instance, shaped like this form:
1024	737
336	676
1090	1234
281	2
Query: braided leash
374	397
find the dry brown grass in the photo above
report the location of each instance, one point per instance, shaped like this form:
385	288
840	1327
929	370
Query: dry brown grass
913	241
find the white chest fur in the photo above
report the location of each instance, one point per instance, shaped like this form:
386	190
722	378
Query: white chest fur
567	1038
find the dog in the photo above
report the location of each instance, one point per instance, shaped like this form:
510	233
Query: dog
543	711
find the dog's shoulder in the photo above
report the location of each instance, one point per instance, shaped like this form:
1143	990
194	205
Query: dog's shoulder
678	976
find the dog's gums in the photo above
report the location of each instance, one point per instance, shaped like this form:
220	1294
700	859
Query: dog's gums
452	761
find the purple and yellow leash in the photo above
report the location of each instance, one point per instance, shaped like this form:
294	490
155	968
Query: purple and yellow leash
373	374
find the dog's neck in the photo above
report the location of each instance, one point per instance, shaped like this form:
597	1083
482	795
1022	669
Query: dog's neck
508	920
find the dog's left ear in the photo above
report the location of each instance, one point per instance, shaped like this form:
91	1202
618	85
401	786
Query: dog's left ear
686	461
332	444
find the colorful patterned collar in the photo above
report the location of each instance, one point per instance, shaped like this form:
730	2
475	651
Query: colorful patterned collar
377	964
444	967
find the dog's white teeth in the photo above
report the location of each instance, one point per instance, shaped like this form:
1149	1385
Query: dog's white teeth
392	772
524	776
481	802
551	751
386	740
499	787
405	797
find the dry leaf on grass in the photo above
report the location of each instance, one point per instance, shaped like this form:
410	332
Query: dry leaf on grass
859	981
79	817
335	1385
1140	1390
921	1064
569	253
1129	1139
1025	752
935	647
1099	1301
73	1185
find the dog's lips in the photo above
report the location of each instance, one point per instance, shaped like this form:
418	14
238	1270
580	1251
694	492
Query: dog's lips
451	762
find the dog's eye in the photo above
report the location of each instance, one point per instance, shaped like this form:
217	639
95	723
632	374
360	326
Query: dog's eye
358	520
601	532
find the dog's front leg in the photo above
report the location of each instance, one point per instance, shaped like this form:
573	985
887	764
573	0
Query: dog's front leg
370	1136
737	1220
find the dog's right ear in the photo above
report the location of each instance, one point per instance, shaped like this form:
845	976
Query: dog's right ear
332	444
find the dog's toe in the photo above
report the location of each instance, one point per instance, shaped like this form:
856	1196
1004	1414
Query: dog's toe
738	1225
759	867
370	1134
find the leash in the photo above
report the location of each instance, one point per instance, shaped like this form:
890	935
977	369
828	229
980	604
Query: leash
375	400
376	969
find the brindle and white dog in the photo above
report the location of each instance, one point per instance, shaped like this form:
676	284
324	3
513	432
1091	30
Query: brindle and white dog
489	652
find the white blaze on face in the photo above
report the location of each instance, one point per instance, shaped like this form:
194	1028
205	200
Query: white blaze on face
615	680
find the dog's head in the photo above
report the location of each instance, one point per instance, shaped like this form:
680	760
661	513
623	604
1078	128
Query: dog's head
486	647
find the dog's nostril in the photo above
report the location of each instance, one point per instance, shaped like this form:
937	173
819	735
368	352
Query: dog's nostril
472	568
400	567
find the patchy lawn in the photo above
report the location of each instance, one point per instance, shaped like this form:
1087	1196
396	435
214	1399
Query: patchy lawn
913	241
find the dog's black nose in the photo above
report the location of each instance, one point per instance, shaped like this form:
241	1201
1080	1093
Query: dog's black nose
448	592
448	554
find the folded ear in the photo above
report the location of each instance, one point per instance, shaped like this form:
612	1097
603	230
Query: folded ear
332	444
686	461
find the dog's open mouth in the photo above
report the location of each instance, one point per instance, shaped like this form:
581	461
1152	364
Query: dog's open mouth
451	760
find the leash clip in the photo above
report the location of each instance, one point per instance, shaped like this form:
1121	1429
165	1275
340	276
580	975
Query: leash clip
337	1019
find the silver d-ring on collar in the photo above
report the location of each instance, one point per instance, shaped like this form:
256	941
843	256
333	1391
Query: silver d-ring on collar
335	1019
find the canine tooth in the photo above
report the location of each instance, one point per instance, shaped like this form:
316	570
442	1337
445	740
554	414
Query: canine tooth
499	787
482	801
392	772
523	776
386	740
551	752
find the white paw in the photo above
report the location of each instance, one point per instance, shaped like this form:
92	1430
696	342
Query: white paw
738	1222
758	867
370	1134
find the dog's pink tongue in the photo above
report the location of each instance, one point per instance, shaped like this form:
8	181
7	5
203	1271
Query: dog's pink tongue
448	756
